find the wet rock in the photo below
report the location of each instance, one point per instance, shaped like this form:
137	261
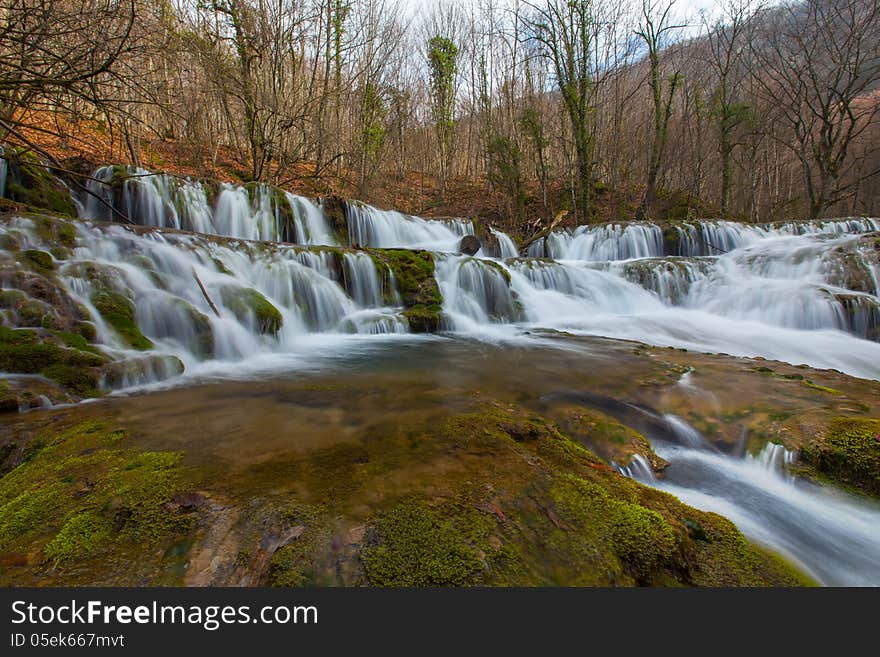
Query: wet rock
469	245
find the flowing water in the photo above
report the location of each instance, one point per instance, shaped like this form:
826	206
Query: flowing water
798	292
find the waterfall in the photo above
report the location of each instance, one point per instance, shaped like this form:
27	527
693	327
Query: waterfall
369	226
607	242
477	290
362	280
775	458
268	300
310	224
639	468
4	170
506	246
830	535
256	212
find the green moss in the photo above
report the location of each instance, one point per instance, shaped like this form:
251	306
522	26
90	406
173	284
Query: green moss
83	495
118	311
614	441
641	538
830	391
848	452
12	298
30	183
81	381
249	305
424	319
40	259
414	274
417	545
67	234
81	536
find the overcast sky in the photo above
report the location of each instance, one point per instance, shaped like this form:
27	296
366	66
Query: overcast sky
684	6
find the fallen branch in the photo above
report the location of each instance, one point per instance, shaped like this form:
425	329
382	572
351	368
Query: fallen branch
205	292
562	214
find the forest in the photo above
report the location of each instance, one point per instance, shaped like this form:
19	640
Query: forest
608	109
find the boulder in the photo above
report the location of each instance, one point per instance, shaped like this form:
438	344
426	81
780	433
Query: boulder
469	245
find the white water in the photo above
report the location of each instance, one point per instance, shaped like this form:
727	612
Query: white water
506	246
369	226
646	240
313	292
780	297
165	201
4	169
833	537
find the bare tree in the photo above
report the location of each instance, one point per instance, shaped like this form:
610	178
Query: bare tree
820	60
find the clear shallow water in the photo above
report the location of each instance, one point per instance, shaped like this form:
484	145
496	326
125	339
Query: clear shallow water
231	419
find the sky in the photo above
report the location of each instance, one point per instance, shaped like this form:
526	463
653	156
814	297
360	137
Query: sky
685	6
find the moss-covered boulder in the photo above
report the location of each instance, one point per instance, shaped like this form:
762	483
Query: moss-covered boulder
251	307
613	441
414	275
119	312
848	452
30	183
33	352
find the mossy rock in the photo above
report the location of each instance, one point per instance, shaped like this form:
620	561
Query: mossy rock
334	208
414	275
118	311
848	452
613	441
249	306
29	182
41	260
74	369
141	370
84	500
415	545
424	319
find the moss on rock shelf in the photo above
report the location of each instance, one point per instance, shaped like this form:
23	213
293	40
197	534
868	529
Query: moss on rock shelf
490	495
84	508
848	452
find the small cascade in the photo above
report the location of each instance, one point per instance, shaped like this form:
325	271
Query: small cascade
671	279
369	226
684	433
774	458
506	246
310	225
478	290
255	212
607	242
362	280
639	469
830	535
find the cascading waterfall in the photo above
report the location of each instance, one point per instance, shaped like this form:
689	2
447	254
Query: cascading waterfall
369	226
506	246
160	272
830	535
4	170
309	222
709	238
781	297
475	291
257	212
